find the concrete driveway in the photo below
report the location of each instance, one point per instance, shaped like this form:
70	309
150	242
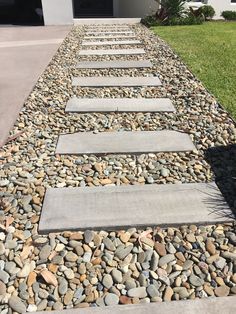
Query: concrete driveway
24	54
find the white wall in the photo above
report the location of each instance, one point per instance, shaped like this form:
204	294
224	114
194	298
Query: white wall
136	8
218	5
222	5
57	12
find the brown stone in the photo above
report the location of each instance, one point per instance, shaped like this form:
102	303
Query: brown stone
222	291
36	200
125	300
208	289
82	305
53	268
168	294
210	247
82	277
125	237
98	167
96	261
160	248
105	181
31	278
212	258
147	241
220	281
68	297
233	278
40	190
180	256
76	236
190	237
3	288
34	219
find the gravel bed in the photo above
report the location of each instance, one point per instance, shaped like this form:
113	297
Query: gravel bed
131	266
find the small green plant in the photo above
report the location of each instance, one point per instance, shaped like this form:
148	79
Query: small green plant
229	15
170	9
150	21
208	11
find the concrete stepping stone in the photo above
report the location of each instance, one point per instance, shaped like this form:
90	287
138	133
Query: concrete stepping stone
116	64
119	105
106	52
113	207
110	43
226	305
100	33
107	81
109	37
110	28
124	142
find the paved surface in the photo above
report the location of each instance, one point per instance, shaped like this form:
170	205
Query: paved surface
125	206
109	43
113	64
24	54
225	305
124	142
103	52
119	105
106	81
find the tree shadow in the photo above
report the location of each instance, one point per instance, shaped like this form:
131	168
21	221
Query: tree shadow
222	160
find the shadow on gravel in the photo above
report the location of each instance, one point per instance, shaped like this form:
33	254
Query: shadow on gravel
222	160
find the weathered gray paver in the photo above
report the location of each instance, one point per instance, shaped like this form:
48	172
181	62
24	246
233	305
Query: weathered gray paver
109	36
110	32
119	105
125	206
109	43
124	142
118	64
107	81
226	305
103	52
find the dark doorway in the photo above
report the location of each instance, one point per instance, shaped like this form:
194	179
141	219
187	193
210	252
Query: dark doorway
21	12
93	8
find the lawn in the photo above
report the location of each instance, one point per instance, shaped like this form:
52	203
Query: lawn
209	50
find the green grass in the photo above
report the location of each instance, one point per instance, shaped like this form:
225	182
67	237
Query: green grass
209	50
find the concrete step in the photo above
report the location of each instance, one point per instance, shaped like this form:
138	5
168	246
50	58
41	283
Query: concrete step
108	81
224	305
124	142
110	36
104	52
110	32
116	64
108	27
105	21
110	43
119	105
114	207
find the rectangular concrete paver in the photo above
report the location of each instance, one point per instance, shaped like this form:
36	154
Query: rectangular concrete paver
109	36
224	305
119	105
106	81
100	33
104	52
109	43
124	142
118	64
125	206
107	29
